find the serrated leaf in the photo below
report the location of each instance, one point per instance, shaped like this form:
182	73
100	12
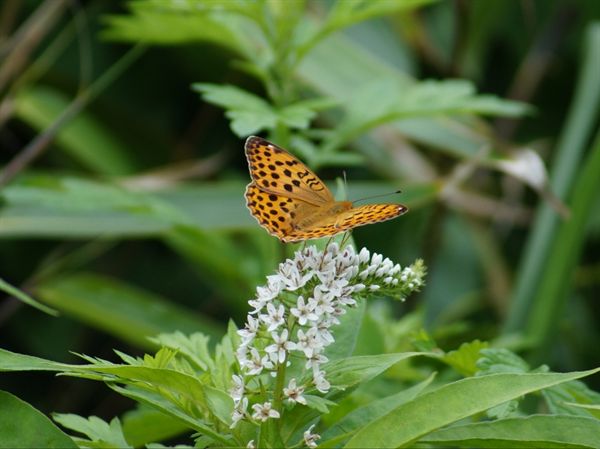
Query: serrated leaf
100	433
194	346
464	359
500	360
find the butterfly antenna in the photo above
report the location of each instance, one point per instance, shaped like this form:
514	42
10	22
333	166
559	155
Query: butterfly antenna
376	196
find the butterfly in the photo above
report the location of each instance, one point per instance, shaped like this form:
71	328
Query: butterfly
293	204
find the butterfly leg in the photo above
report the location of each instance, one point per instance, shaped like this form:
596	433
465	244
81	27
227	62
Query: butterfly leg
345	239
325	251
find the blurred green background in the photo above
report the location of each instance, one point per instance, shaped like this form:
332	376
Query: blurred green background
126	213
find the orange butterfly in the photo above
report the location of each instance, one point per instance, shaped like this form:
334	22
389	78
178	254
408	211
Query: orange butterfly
293	204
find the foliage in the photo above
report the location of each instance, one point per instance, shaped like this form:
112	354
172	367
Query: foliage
121	209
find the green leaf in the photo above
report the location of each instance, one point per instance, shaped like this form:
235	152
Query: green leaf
249	113
571	398
22	426
100	433
500	360
452	402
350	423
165	24
388	100
14	291
351	371
529	432
194	346
144	425
84	138
464	359
123	310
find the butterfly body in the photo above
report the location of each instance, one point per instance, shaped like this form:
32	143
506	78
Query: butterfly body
293	204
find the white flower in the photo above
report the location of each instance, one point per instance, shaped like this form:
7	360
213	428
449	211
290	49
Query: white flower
307	342
262	412
256	363
374	287
274	317
294	393
304	312
250	445
278	350
320	382
322	301
249	331
315	361
237	390
322	330
291	276
239	412
311	438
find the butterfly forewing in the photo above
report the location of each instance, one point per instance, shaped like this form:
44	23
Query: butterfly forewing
275	170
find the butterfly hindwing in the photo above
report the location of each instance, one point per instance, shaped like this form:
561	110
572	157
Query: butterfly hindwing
347	220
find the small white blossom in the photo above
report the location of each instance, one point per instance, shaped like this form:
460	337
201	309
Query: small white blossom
315	362
250	445
294	393
256	363
237	390
239	412
374	287
274	317
311	438
304	312
278	350
322	301
307	342
262	412
250	331
320	382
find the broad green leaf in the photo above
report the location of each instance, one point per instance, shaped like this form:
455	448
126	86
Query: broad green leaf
73	209
219	403
345	428
122	310
22	426
144	425
84	138
453	402
12	361
100	433
14	291
547	431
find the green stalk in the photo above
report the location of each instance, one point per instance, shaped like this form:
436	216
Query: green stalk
557	279
570	147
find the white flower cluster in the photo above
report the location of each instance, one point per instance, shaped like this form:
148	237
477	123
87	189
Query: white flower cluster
292	318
